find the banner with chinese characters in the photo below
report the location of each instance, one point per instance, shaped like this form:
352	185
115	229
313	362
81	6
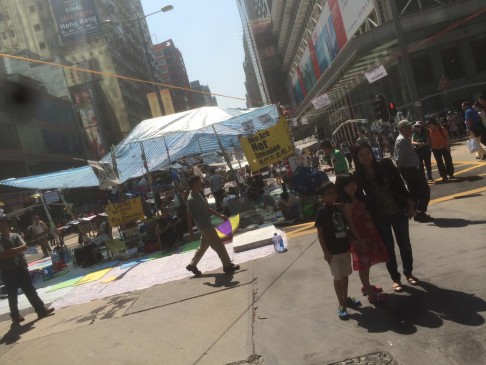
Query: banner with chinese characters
129	211
267	146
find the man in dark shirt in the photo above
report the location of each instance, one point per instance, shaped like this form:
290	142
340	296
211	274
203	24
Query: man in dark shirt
333	237
198	209
15	273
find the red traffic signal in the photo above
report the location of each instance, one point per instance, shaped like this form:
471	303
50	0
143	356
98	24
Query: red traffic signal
393	109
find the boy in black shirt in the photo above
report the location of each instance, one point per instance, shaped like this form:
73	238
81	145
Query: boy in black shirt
333	237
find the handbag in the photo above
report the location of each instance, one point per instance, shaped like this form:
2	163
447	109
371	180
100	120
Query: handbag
472	145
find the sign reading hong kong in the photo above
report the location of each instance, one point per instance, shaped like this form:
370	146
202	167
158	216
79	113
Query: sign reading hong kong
76	19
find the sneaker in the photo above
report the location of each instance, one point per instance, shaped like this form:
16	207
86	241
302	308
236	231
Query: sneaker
46	312
343	313
231	268
353	302
17	319
423	218
194	270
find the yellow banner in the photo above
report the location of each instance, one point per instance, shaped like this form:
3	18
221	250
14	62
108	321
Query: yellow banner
129	211
167	101
267	146
154	105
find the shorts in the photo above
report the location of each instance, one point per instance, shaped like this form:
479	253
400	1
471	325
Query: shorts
341	265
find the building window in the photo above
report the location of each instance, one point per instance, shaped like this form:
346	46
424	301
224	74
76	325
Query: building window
478	48
2	18
4	35
452	63
32	9
12	33
37	27
422	70
42	45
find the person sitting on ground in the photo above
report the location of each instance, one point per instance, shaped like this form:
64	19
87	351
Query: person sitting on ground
165	230
180	223
290	206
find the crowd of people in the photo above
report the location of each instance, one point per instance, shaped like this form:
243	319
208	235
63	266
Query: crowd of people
360	218
366	213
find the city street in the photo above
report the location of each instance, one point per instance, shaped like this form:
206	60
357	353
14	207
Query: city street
281	309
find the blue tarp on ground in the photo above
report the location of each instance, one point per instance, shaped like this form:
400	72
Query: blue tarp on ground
184	134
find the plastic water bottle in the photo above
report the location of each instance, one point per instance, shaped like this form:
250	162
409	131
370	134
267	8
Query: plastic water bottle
278	243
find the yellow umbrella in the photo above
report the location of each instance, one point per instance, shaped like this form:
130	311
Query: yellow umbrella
1	204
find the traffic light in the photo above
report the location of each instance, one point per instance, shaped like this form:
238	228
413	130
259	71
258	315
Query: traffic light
393	109
381	108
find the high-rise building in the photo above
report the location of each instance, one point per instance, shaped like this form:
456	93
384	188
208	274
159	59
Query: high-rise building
202	99
263	70
38	131
107	36
432	53
172	70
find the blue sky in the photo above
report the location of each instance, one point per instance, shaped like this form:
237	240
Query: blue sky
209	35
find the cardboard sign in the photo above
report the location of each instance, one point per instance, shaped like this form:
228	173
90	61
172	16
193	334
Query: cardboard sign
267	146
126	212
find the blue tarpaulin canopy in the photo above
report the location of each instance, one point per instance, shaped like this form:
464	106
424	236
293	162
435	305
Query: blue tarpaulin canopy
182	134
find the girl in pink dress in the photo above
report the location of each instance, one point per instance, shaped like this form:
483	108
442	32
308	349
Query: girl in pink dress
367	248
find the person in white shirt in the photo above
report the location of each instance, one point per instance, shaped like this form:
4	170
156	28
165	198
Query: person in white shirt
40	232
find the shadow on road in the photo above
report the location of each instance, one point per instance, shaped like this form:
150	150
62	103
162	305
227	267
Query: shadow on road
428	306
15	332
459	179
454	222
221	280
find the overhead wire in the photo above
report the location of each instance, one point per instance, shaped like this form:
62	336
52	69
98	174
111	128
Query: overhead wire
121	77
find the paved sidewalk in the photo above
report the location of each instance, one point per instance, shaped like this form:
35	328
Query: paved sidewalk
281	309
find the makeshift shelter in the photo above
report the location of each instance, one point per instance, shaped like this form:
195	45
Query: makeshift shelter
164	140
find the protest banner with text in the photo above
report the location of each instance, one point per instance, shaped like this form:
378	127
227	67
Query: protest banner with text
126	212
267	146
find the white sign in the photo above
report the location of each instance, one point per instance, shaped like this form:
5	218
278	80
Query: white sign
376	74
248	126
321	101
354	13
304	120
105	174
51	197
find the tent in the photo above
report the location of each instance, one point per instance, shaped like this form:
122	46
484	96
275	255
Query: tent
164	139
